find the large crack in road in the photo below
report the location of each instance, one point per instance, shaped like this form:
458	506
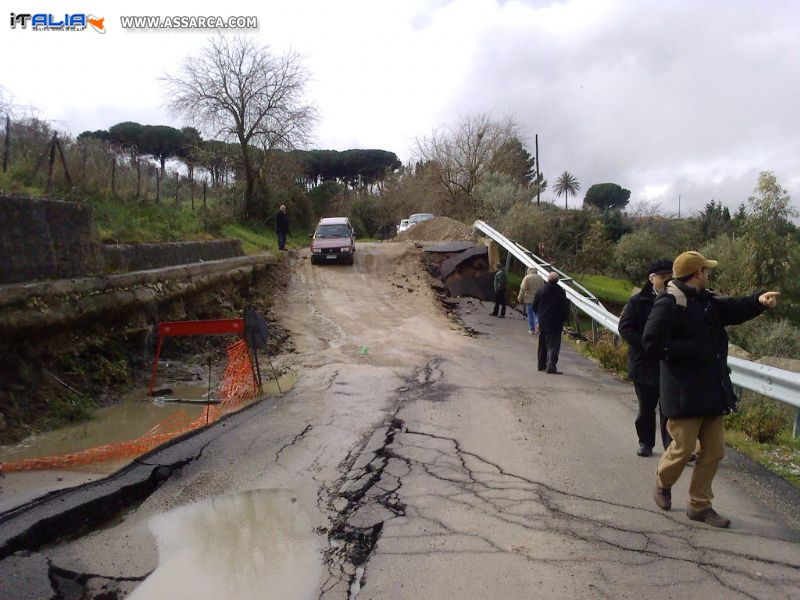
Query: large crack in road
402	471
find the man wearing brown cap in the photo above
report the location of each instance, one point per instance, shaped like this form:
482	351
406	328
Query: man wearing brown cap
686	331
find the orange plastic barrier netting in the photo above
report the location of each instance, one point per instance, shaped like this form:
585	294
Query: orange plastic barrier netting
237	387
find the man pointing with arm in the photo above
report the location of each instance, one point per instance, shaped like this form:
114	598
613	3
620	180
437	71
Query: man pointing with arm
686	332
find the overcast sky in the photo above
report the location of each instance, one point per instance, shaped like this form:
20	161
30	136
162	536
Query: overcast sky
686	98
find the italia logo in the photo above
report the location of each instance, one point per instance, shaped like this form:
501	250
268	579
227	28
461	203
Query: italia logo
50	22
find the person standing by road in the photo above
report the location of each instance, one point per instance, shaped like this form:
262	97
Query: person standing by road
500	286
552	309
643	369
531	284
686	332
282	227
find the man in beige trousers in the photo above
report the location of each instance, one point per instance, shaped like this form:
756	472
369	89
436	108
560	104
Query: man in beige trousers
686	331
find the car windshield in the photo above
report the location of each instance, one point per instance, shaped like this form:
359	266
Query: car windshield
418	218
332	231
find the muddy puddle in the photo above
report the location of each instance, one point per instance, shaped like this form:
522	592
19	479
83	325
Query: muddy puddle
127	420
257	544
132	417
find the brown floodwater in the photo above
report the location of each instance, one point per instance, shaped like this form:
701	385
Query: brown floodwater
129	419
256	544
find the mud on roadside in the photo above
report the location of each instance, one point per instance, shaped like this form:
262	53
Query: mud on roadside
52	379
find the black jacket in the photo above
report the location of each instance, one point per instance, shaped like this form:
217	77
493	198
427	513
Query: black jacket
551	306
641	367
281	222
686	331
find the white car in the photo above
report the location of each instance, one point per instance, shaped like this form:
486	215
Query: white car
419	218
403	226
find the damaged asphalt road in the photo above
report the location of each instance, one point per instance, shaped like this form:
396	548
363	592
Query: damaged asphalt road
435	465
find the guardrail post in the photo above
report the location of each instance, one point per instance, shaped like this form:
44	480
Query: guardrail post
577	320
796	428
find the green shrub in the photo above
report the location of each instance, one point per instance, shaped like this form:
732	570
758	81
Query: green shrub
69	409
730	277
634	252
768	337
762	420
612	355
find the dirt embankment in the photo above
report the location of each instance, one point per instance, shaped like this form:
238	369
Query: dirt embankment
437	229
52	378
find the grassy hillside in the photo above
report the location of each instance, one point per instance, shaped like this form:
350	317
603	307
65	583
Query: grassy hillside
607	289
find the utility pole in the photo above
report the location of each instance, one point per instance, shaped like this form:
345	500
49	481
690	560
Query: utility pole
679	207
538	187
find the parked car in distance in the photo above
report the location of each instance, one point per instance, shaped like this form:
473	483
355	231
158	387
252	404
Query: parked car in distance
419	218
333	241
403	226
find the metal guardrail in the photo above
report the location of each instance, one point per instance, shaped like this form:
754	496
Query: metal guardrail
779	384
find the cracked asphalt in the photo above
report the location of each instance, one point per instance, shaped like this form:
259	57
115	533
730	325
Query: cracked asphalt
443	465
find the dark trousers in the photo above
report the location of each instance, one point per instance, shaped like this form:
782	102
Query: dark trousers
281	240
499	303
549	347
646	417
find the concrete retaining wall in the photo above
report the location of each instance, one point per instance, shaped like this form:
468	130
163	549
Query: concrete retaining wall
52	306
49	239
138	257
44	239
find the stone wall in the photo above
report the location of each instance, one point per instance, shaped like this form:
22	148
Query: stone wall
137	257
49	239
46	239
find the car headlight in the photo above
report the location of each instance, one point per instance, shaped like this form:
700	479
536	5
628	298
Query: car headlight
345	249
316	250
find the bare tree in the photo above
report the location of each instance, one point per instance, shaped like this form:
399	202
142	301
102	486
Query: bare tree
239	90
6	102
462	153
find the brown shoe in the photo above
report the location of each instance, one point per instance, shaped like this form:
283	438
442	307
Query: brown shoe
709	516
663	497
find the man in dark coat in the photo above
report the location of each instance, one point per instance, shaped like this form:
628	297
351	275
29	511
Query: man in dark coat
552	309
282	227
643	369
686	331
500	285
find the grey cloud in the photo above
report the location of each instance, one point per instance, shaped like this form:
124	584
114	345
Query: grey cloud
673	88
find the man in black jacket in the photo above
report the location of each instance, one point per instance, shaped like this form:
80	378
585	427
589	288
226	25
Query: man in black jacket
643	369
686	331
282	227
552	308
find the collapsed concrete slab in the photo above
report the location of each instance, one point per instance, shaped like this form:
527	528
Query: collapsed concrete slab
464	270
451	265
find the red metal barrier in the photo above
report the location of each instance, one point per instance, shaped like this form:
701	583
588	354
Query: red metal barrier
182	328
